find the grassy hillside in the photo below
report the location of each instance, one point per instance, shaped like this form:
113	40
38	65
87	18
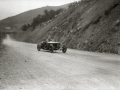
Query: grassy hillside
26	17
92	25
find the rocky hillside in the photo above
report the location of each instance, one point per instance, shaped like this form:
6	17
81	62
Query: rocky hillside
92	25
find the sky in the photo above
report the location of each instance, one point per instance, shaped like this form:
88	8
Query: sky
13	7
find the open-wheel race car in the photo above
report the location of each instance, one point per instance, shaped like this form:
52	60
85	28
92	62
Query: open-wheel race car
51	46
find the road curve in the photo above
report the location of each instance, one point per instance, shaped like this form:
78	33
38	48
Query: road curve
22	67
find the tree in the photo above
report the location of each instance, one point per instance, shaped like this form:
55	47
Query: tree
24	28
44	18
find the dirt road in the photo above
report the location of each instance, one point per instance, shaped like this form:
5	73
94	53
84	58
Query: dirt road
22	67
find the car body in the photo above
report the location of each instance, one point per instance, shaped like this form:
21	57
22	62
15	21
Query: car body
51	46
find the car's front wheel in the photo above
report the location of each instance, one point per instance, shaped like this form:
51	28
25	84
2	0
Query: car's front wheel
64	49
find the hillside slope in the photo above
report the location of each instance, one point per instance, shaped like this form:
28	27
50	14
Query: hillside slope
26	17
92	25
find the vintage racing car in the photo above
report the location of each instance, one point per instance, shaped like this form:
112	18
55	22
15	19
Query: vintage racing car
51	46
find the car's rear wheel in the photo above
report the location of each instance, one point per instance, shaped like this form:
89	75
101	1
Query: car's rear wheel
38	47
64	49
51	48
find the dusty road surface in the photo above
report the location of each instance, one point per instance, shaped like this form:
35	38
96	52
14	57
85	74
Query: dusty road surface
22	67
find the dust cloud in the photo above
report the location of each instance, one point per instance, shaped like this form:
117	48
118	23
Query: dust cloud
8	40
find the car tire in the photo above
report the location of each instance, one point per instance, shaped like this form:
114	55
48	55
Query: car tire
64	49
51	48
38	47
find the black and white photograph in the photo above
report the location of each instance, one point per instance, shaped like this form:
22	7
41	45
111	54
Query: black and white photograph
59	44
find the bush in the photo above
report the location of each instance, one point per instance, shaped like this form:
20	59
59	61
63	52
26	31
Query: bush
25	27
